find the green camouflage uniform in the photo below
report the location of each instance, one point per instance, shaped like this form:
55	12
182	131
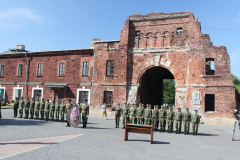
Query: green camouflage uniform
195	122
117	116
62	111
68	107
170	118
57	107
162	119
186	121
42	105
37	106
21	105
85	113
155	115
140	112
52	109
32	103
147	116
125	113
178	121
132	114
26	108
47	107
15	108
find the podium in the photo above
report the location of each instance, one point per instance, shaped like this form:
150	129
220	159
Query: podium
136	128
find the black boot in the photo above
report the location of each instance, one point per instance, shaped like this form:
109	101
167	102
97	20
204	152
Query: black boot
188	133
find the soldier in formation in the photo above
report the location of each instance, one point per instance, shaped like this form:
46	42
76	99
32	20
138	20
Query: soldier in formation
68	107
140	112
52	110
133	113
147	115
117	115
125	114
26	107
57	108
20	106
155	116
195	122
170	119
36	109
85	113
42	107
32	104
178	120
46	109
15	107
162	118
62	110
186	121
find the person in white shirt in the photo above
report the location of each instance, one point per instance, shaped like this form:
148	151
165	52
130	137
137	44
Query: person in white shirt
104	112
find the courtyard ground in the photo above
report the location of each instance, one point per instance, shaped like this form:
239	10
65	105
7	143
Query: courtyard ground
33	139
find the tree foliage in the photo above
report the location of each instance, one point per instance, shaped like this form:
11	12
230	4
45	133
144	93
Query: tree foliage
236	82
7	51
169	91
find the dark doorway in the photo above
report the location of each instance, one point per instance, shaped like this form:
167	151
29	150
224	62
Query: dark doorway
151	85
37	94
60	96
209	102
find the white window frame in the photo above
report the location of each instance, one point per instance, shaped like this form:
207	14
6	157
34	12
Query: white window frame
37	88
85	68
21	70
14	88
37	69
89	94
63	69
2	71
4	88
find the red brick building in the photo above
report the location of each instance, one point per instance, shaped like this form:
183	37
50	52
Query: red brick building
151	48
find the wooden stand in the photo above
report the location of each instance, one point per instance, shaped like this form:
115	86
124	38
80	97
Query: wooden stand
138	129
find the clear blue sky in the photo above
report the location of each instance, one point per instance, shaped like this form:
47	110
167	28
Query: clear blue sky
69	24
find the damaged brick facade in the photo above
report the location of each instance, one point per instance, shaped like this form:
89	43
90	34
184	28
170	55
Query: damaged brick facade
151	48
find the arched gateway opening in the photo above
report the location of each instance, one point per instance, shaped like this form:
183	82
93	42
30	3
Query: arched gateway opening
153	85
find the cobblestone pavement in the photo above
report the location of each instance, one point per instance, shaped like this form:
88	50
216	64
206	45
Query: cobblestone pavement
102	141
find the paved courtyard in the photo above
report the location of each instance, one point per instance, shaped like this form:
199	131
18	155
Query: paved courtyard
34	139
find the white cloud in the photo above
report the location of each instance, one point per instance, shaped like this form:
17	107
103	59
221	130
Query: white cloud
238	19
17	18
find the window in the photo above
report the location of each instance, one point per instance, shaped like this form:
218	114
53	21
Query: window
110	67
209	66
209	102
85	69
137	34
61	69
1	70
37	94
83	95
39	69
179	31
19	73
108	97
60	96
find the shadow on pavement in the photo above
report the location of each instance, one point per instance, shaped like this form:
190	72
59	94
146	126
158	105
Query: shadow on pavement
204	134
97	128
18	122
27	143
154	142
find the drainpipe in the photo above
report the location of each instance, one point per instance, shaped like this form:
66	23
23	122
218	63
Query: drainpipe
93	66
26	76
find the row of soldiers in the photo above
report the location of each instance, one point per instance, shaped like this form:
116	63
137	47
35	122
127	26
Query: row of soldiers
46	109
157	117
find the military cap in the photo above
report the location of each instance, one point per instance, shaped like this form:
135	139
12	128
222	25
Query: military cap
63	100
42	98
148	104
156	106
57	100
169	107
162	106
32	98
195	109
46	98
78	103
118	103
133	103
140	103
16	97
187	109
128	103
69	99
84	100
37	98
53	100
125	102
179	108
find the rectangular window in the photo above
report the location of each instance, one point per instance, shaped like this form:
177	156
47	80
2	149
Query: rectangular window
1	70
85	69
37	94
108	97
17	93
179	31
137	34
209	66
110	67
209	102
19	73
83	95
39	69
61	69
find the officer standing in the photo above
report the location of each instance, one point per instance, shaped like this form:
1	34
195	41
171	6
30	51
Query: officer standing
62	110
52	110
57	107
195	122
68	107
178	120
15	107
117	115
170	119
42	105
125	114
147	115
162	118
85	113
32	104
133	113
26	107
186	121
155	116
21	105
46	109
140	112
37	106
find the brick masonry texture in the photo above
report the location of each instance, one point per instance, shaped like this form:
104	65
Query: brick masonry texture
186	56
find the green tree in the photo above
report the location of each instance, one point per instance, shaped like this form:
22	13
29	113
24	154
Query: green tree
7	51
169	91
236	82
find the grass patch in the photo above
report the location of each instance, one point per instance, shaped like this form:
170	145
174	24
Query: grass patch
8	106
